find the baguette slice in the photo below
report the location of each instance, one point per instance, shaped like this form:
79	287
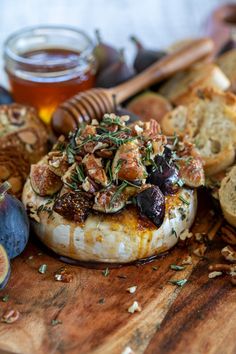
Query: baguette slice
210	123
227	63
182	87
227	196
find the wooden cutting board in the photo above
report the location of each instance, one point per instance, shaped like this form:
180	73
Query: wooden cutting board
91	311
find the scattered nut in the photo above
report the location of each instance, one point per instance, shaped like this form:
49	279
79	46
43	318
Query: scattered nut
200	250
63	275
228	235
134	307
187	261
10	316
214	274
229	254
132	289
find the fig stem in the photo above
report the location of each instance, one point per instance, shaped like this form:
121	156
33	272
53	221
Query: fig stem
98	36
4	187
137	42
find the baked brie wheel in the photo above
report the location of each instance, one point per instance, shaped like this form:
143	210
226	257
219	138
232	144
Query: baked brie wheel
113	193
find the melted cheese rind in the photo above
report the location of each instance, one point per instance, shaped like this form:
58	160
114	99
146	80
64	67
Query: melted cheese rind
118	238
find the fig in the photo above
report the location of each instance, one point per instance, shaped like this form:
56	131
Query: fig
14	226
229	45
165	174
5	97
105	54
149	105
43	181
151	203
5	268
73	206
115	74
145	57
120	111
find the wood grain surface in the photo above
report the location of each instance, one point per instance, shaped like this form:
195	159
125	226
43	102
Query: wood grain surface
92	309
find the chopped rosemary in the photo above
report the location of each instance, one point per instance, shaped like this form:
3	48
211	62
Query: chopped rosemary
173	232
56	322
180	282
118	192
106	272
180	182
184	200
43	268
154	267
177	267
5	298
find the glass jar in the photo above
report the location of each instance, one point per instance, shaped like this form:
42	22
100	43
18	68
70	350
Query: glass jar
47	65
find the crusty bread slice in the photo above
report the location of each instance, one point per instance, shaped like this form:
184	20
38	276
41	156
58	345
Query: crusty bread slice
182	87
175	121
227	196
210	123
227	63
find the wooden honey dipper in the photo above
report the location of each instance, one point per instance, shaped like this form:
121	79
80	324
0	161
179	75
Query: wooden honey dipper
94	103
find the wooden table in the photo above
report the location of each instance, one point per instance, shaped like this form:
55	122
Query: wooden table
89	314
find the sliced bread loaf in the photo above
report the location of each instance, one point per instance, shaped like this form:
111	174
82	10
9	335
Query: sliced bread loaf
227	196
227	63
182	87
210	123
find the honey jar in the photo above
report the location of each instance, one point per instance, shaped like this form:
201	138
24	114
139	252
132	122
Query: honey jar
47	65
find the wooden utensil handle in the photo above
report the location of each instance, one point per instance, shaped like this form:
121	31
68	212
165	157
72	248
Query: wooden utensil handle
169	65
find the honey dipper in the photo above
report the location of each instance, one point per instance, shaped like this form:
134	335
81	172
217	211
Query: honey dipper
92	104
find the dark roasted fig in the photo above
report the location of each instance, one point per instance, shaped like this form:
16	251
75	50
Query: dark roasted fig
14	223
43	181
149	105
151	203
5	97
115	74
164	175
145	57
105	54
5	268
229	45
120	111
73	206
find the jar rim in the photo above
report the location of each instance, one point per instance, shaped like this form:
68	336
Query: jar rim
9	53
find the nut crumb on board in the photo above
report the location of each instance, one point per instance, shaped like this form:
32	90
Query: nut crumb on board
10	316
214	274
135	307
132	289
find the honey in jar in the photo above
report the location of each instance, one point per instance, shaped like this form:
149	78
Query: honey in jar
47	65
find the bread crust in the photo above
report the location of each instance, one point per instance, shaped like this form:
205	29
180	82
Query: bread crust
210	123
227	196
181	89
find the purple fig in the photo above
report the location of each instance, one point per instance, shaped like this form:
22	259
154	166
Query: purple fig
14	226
105	54
5	268
145	57
5	96
115	74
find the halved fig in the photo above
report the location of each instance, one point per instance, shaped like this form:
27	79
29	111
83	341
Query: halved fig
127	163
43	181
151	203
73	206
191	171
5	268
